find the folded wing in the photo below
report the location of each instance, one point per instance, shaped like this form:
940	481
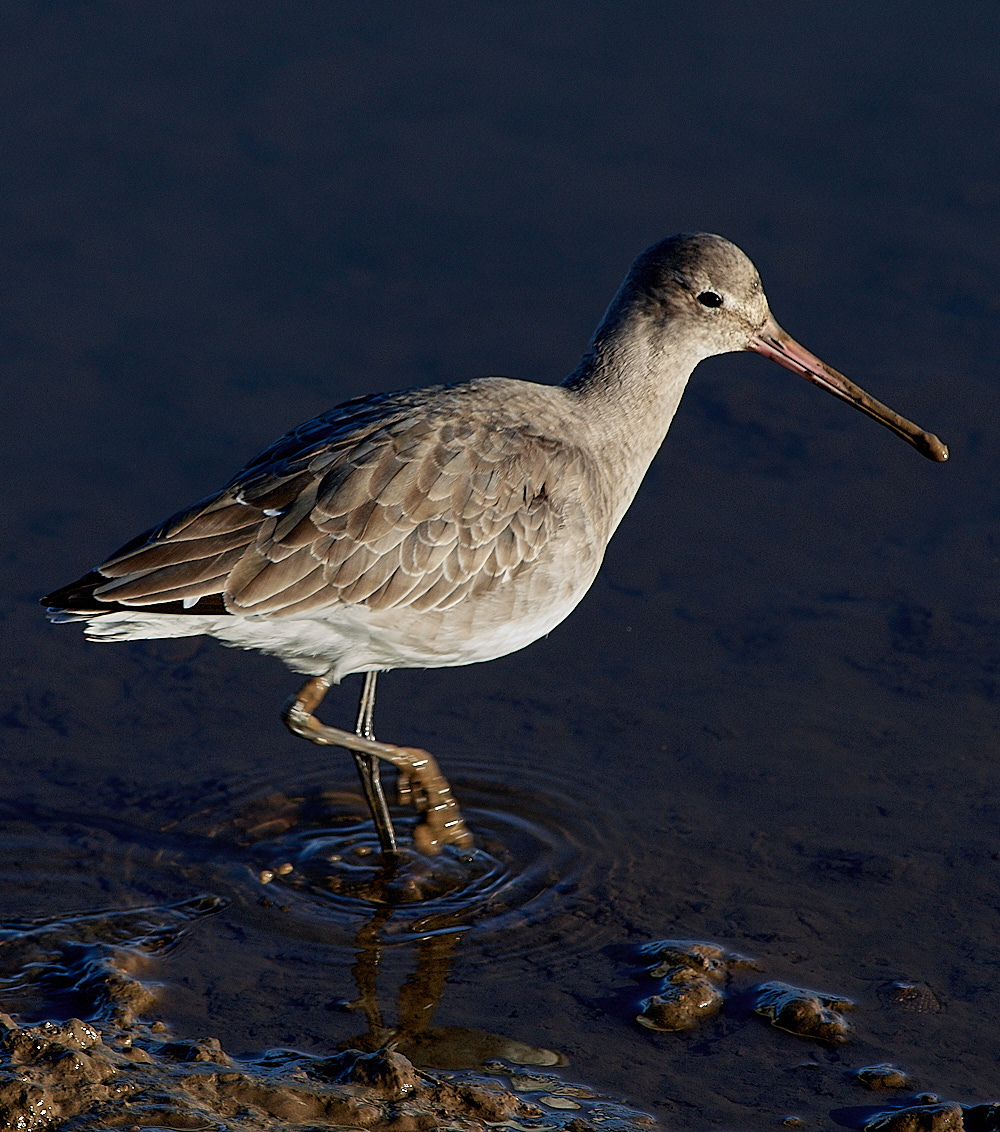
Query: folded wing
383	502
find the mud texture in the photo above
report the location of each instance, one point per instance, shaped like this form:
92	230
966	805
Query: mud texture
882	1077
119	1070
686	1000
692	976
919	1118
923	1113
916	997
803	1012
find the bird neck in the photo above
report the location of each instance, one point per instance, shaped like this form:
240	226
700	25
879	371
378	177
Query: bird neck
629	384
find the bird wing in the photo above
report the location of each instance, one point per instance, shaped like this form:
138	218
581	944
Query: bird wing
396	500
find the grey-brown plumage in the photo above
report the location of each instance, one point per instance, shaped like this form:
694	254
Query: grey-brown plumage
401	500
417	515
450	524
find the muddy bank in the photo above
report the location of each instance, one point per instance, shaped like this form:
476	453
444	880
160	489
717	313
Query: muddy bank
120	1069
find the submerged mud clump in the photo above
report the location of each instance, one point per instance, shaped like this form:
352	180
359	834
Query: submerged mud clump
116	1070
914	996
687	999
881	1077
457	1047
923	1113
919	1118
692	976
692	979
939	1116
804	1013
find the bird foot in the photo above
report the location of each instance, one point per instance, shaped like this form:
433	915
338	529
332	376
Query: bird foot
420	777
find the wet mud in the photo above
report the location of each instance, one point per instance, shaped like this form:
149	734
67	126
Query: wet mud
802	1012
691	977
882	1077
123	1069
697	981
113	1063
922	1113
692	988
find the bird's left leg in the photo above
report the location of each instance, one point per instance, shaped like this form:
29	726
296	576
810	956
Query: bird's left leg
367	766
442	822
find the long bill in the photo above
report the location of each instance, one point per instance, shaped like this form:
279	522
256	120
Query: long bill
774	343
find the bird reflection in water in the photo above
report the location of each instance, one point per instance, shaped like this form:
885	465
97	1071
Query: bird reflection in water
428	1046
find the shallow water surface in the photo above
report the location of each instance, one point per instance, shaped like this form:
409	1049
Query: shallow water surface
772	724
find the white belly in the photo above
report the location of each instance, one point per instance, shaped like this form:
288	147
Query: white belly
350	638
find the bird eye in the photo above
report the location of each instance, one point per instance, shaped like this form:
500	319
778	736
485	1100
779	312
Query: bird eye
710	299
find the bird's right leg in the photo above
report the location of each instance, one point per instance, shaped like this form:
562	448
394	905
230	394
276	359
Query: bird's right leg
442	822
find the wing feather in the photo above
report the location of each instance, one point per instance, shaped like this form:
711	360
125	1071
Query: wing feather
352	568
173	552
276	577
304	588
220	515
154	586
386	502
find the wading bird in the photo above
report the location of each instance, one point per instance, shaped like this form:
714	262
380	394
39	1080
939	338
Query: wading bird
445	525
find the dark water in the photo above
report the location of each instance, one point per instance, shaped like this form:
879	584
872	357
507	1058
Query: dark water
773	722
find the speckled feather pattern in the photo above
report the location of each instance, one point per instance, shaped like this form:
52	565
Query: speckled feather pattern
385	502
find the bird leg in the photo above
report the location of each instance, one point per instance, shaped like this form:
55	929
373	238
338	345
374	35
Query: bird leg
442	822
367	766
